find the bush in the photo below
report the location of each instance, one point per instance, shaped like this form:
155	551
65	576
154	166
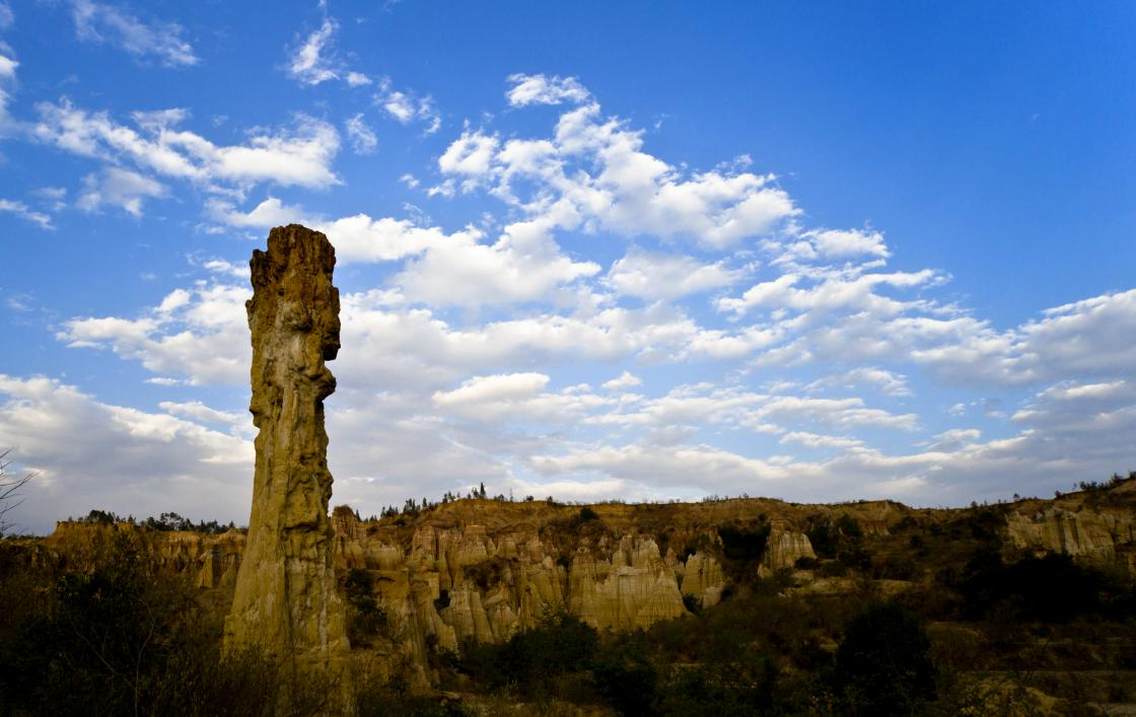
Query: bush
587	514
1052	588
743	547
722	689
124	639
365	619
625	677
530	660
883	665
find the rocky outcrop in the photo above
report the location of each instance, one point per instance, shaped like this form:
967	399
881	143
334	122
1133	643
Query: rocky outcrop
286	601
634	589
702	577
480	570
784	548
1103	536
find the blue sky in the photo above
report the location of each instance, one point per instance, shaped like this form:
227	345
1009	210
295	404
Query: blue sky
657	250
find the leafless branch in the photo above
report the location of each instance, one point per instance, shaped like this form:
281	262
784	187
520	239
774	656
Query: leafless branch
10	488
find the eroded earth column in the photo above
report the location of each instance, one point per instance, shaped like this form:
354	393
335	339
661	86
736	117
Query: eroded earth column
286	602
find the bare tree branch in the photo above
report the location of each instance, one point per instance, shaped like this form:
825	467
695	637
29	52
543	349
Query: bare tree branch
10	488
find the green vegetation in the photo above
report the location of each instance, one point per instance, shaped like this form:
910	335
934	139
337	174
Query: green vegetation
166	522
365	619
119	639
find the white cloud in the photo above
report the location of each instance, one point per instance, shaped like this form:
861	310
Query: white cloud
200	334
623	381
480	389
226	268
270	212
8	67
817	440
1054	446
888	382
309	64
827	244
597	166
357	79
652	276
361	238
363	139
545	90
830	292
458	364
299	156
7	17
118	458
517	396
406	106
238	423
22	211
441	268
470	154
161	41
522	265
118	187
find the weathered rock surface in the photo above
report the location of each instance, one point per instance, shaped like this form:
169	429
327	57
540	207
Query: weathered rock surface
784	548
1101	536
286	601
703	578
482	570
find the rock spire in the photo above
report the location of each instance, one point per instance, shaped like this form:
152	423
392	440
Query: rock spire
285	602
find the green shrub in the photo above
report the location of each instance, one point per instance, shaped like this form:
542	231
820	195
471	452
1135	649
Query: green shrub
1052	588
883	665
530	660
365	619
743	547
625	676
122	638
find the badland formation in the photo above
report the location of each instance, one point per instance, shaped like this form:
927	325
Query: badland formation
487	606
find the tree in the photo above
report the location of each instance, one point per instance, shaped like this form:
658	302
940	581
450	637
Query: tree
883	665
10	488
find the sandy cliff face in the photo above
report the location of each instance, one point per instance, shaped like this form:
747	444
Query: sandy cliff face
1102	534
784	548
463	583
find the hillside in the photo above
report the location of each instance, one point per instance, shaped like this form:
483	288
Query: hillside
1026	605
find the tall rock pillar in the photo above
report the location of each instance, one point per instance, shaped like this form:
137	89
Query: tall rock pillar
286	602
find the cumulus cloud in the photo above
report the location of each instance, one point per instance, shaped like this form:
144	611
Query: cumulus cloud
829	244
301	155
270	212
154	40
783	359
118	187
200	335
887	382
545	90
597	166
652	276
623	381
118	458
1053	447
